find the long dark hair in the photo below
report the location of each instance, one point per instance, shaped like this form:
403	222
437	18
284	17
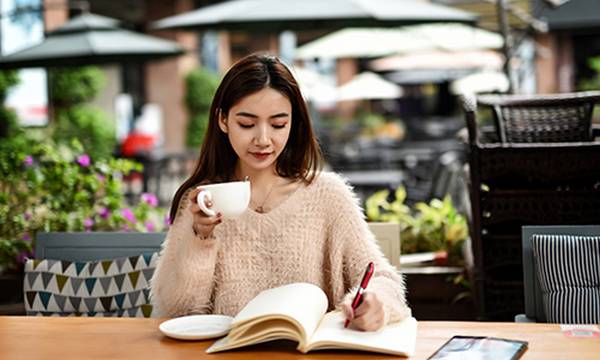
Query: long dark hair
301	158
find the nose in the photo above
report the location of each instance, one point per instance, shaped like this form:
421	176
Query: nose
262	135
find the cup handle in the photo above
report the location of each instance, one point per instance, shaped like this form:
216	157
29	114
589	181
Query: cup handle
201	200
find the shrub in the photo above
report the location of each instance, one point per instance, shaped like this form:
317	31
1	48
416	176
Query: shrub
71	89
46	187
8	118
436	226
201	86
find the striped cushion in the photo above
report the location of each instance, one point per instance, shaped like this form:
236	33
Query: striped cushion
568	268
118	287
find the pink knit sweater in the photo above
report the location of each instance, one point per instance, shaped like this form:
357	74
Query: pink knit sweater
317	235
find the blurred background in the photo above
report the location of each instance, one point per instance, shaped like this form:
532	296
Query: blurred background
105	104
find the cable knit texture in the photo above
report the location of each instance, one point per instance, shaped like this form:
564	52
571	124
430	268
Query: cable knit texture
317	235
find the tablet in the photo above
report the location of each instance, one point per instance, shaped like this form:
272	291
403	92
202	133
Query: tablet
480	347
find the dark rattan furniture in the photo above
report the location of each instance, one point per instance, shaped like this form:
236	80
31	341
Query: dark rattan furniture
516	184
542	118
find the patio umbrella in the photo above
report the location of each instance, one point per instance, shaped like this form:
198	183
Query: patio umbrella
474	59
368	86
374	42
275	15
90	39
481	82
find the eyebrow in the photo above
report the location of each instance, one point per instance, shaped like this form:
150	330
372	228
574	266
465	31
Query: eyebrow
253	116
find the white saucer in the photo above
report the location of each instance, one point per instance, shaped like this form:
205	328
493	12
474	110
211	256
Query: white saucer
196	327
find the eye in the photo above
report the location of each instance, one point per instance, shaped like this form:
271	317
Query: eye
245	126
278	126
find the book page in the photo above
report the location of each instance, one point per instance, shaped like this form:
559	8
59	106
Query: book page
397	339
305	303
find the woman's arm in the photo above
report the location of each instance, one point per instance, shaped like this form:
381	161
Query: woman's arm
184	277
359	247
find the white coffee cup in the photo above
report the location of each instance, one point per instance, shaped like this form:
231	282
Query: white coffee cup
230	199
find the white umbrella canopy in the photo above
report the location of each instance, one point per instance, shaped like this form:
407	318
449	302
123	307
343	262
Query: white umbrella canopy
471	59
481	82
314	86
277	15
374	42
368	86
91	39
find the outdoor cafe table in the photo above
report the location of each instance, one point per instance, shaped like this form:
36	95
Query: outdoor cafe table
135	338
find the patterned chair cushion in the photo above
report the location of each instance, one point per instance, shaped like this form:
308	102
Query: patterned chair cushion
568	268
118	287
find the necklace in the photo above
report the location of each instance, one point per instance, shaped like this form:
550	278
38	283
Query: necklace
260	208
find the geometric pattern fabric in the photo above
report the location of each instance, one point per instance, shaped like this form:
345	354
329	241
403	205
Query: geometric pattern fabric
101	288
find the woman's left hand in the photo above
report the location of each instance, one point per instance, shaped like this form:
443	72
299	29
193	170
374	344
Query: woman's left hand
369	315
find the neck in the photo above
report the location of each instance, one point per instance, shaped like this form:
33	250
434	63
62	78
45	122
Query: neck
258	178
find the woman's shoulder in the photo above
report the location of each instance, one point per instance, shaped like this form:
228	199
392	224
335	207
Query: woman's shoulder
328	182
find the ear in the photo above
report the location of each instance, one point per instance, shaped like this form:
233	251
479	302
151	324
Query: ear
223	122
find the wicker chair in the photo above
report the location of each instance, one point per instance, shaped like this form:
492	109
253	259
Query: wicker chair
516	184
542	118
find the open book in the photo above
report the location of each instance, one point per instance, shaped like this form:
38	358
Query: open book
297	312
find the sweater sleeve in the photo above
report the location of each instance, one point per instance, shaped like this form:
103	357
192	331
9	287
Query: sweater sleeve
183	281
351	233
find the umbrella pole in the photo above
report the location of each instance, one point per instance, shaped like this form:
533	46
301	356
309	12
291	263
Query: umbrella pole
507	42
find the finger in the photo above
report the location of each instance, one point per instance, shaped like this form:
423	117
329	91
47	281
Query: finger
347	310
201	218
365	305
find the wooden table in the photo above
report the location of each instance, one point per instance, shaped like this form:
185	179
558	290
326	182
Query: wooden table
130	338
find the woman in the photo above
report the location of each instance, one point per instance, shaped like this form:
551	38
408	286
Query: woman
303	225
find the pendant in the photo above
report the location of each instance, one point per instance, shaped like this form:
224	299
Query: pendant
260	210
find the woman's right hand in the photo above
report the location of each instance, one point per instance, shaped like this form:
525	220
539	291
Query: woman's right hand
203	224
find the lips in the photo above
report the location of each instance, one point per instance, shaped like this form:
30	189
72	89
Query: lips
260	155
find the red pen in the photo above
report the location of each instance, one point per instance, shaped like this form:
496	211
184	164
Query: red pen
363	286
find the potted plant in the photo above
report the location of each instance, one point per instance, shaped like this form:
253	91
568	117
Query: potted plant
438	230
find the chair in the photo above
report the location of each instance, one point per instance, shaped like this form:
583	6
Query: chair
515	184
542	118
91	274
387	236
554	254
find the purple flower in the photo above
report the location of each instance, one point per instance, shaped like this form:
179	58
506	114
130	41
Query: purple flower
88	223
104	212
23	256
84	160
149	226
150	199
27	215
101	177
26	237
128	214
28	160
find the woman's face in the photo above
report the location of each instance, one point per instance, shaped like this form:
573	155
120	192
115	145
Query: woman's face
258	127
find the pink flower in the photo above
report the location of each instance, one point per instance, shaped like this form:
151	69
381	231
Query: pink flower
88	223
128	214
27	215
101	177
28	161
167	220
104	213
84	160
149	226
150	199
